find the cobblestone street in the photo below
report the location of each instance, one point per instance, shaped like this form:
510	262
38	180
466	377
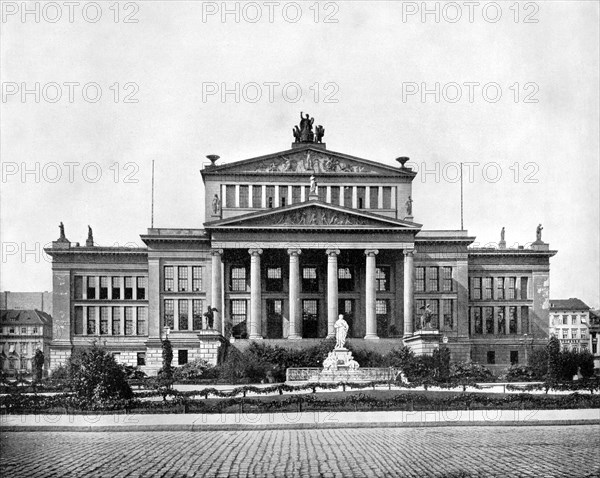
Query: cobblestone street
552	451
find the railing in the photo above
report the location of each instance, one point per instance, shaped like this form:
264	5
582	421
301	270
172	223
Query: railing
314	374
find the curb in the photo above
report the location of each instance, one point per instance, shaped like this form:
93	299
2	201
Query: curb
291	426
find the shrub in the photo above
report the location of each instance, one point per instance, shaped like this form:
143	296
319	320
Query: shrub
97	378
468	373
519	373
191	371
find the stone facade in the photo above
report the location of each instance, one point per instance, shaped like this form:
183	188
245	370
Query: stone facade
281	255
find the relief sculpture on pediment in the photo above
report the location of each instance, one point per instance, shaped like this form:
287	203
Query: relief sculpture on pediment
315	217
309	162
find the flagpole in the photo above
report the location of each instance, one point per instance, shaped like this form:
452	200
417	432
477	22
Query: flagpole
461	198
152	206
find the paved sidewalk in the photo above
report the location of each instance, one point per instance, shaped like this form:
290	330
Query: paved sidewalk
297	420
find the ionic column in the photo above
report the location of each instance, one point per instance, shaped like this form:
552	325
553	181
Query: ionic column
255	296
215	289
408	292
371	318
332	290
295	306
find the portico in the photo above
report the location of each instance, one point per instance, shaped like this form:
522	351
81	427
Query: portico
284	277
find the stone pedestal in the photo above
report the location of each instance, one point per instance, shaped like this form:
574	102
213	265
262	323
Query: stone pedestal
424	342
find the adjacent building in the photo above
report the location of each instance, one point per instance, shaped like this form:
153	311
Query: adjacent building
291	240
570	323
22	333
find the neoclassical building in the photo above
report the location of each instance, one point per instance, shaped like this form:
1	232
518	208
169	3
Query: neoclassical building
291	240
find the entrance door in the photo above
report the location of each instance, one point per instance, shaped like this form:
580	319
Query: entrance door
346	307
274	319
310	318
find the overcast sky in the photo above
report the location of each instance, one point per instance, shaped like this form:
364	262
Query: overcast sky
517	96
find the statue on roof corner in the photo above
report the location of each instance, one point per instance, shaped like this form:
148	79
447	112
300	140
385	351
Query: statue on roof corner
538	233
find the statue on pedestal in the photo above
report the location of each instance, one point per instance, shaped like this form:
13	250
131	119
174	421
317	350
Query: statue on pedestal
210	316
313	185
319	133
538	233
61	227
341	331
90	239
502	235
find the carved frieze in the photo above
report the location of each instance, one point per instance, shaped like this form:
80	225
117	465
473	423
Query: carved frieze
313	216
309	162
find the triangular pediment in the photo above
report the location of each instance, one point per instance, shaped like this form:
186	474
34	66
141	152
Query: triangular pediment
312	214
306	161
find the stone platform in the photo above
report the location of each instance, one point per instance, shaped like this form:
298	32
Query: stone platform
344	375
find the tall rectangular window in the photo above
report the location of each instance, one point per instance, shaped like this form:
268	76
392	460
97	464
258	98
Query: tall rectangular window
104	287
238	279
78	287
310	282
168	277
499	288
238	319
574	319
182	278
169	313
142	321
91	287
360	197
197	314
448	282
476	286
382	279
348	196
448	309
434	283
501	321
489	319
373	197
270	192
230	195
524	287
141	359
335	195
196	278
244	198
91	320
274	279
104	312
345	279
419	279
512	320
283	196
512	288
128	288
477	320
565	333
142	283
129	323
491	357
565	319
435	313
116	287
116	321
183	314
296	194
487	288
78	326
257	196
387	197
514	357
